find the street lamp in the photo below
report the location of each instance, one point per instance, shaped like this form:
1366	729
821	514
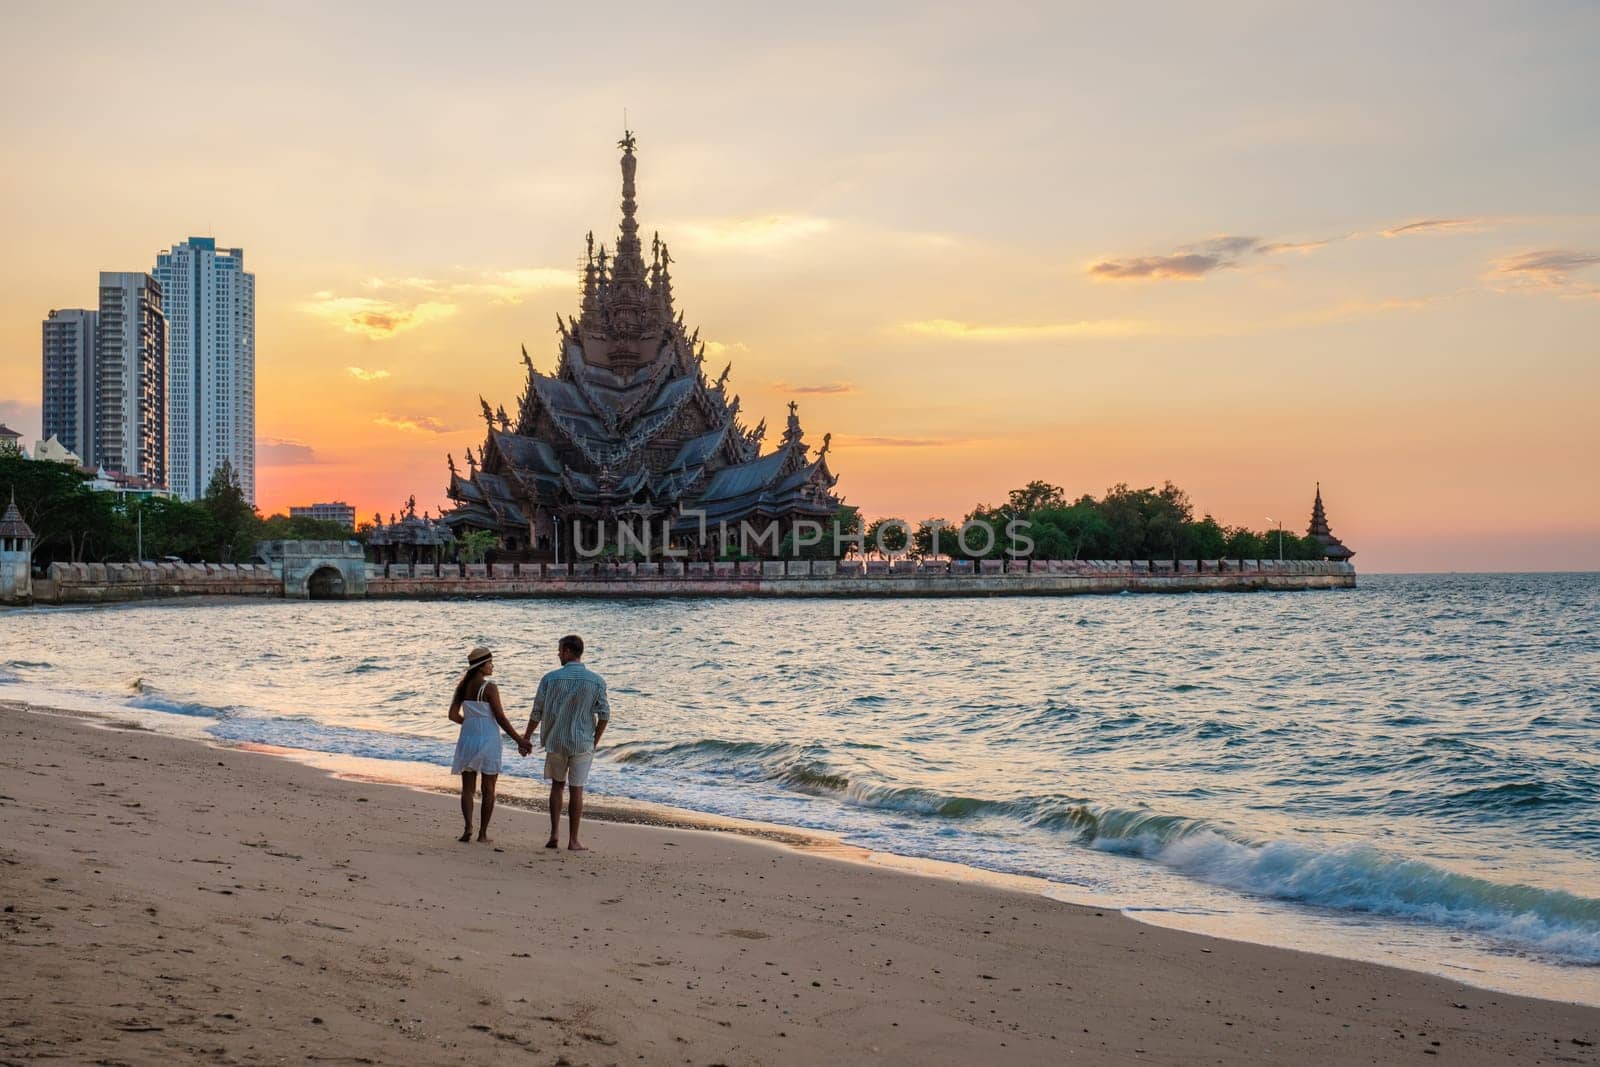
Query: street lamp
1280	537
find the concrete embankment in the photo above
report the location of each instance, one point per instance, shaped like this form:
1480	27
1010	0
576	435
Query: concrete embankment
347	578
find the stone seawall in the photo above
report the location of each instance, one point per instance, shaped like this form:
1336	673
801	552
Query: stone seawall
94	583
87	583
827	579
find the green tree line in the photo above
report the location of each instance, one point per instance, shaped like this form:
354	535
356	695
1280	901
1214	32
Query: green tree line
1124	523
73	523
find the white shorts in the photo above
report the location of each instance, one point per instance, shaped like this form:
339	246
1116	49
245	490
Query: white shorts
573	769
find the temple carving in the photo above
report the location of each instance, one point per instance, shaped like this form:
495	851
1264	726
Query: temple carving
1332	547
628	433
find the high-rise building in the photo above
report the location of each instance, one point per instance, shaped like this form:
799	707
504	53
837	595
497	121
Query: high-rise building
130	402
71	369
210	303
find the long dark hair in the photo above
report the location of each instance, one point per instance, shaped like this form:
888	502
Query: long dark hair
464	685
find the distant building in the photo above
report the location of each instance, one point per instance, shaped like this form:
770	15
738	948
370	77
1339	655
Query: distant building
54	451
126	485
211	365
338	511
1332	547
71	344
130	401
9	439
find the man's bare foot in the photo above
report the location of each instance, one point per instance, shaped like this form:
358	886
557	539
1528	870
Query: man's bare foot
573	846
552	843
466	835
482	840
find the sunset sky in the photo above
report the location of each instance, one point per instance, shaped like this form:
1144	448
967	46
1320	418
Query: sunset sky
1246	247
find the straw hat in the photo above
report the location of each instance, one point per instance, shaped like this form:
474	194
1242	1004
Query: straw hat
478	657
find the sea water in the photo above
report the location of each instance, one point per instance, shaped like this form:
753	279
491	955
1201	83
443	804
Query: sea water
1407	771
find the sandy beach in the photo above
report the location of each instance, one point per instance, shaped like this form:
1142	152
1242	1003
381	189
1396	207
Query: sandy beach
170	901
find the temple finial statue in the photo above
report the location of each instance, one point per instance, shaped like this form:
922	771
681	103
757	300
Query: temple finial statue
488	413
827	443
502	418
450	458
722	379
472	461
411	506
527	361
793	433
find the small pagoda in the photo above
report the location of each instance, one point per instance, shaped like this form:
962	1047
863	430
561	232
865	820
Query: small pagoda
628	431
1332	547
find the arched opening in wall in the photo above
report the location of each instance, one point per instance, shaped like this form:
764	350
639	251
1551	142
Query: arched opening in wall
326	583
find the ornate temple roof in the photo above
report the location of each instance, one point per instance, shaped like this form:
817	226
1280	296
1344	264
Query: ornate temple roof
11	524
627	423
1332	547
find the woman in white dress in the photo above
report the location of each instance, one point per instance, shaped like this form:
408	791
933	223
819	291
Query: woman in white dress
476	706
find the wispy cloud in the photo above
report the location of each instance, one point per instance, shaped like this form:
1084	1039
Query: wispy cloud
17	413
723	348
402	303
757	232
903	442
372	317
361	374
514	286
1195	261
412	423
952	329
821	389
1427	226
282	452
1548	270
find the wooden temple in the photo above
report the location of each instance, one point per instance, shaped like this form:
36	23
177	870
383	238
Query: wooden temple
629	434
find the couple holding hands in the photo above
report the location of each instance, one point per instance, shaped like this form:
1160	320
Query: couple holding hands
571	712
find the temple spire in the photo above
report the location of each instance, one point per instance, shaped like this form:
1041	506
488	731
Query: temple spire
629	252
1318	530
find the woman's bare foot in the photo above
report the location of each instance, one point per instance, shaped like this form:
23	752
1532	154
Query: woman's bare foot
552	843
573	846
466	835
482	840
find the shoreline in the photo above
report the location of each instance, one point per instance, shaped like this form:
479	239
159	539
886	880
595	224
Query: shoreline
1536	979
304	910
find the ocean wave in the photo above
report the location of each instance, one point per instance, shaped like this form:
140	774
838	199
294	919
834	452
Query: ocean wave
148	701
1360	879
1370	881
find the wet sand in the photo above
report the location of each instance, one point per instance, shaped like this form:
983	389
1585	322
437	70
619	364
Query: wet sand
169	901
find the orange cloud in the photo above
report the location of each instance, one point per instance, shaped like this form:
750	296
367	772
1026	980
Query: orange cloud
360	374
1549	270
823	389
412	423
951	329
765	231
375	319
1193	262
281	452
1423	226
